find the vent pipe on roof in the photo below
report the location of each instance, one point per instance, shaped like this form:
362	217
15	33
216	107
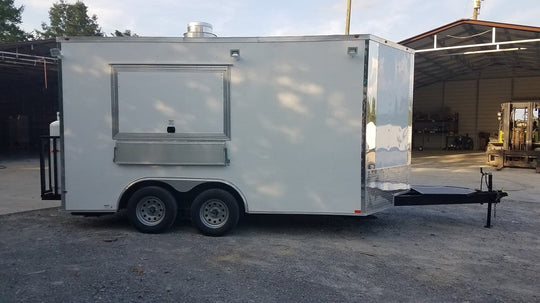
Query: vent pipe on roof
199	29
348	18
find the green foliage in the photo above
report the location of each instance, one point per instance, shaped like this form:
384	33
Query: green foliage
10	18
371	114
70	20
125	33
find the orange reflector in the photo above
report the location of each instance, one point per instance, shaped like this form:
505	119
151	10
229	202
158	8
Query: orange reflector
357	211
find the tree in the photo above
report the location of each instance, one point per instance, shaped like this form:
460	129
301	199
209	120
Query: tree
10	18
125	33
70	20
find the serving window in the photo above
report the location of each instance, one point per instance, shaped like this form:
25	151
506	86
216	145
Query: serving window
148	99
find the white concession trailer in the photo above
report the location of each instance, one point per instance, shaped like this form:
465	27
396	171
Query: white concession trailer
220	126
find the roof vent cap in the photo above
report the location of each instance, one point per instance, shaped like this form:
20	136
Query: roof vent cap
199	29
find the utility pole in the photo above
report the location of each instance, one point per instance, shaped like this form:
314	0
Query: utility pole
348	18
476	8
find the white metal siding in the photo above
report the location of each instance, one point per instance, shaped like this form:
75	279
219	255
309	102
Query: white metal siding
296	120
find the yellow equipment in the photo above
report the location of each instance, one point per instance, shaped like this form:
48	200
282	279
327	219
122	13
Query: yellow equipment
518	144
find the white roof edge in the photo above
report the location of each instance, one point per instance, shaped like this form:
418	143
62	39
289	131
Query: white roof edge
269	39
212	39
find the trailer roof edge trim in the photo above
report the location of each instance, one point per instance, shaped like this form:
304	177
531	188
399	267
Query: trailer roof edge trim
270	39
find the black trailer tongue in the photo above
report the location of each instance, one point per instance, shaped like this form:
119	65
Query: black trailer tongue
435	195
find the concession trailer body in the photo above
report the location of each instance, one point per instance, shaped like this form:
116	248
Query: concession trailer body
219	126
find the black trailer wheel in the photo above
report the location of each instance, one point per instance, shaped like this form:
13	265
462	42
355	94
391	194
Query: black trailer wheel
152	209
214	212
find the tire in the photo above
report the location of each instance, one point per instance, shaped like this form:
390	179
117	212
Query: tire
152	209
214	212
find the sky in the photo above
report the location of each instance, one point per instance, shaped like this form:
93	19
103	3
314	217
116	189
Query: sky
395	20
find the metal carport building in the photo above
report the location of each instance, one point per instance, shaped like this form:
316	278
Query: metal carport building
28	94
463	71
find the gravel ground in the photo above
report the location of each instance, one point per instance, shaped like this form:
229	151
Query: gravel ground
407	254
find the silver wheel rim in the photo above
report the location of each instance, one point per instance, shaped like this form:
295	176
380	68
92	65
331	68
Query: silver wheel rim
214	213
150	211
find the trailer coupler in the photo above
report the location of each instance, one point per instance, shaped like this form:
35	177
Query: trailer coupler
436	195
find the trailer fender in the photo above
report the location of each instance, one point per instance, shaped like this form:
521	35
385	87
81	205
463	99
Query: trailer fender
182	185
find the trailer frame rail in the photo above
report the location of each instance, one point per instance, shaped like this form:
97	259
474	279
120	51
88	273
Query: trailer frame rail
438	195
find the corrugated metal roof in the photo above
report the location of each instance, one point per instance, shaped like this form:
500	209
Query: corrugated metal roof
475	49
21	57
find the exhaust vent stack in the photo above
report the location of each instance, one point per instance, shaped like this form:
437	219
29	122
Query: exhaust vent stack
199	29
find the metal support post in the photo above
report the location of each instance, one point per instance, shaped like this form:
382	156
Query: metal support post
490	189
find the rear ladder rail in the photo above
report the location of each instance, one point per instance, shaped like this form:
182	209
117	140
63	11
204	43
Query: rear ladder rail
49	160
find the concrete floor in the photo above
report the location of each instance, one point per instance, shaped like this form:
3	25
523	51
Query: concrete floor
20	185
462	168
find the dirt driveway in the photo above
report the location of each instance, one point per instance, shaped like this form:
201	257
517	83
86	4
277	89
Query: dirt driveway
407	254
